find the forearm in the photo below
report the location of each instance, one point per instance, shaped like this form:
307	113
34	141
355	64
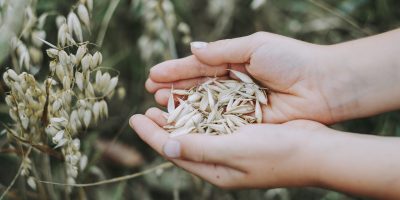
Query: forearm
366	73
359	164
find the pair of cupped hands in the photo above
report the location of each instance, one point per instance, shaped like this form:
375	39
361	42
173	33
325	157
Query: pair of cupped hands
279	152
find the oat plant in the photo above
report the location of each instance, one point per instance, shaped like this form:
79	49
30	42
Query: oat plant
49	115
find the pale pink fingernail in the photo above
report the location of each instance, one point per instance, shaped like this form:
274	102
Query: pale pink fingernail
172	149
199	45
131	120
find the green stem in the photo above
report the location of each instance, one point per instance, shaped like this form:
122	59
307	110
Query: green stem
171	39
16	176
46	166
106	20
117	179
344	17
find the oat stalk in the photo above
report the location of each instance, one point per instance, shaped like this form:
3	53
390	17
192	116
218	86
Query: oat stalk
116	179
106	20
20	168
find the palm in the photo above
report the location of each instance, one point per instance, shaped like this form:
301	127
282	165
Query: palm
289	68
294	83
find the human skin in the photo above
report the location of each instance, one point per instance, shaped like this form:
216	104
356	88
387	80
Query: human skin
298	153
326	84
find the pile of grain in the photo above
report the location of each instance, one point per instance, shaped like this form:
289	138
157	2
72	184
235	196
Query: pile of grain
216	106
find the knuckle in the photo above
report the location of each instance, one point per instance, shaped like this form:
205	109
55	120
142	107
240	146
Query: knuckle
150	111
202	68
200	156
148	86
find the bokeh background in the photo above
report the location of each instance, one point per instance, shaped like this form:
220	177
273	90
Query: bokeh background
141	33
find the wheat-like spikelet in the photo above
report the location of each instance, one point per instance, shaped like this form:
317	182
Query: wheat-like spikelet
157	41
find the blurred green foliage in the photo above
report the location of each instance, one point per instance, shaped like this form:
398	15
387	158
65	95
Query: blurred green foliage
316	21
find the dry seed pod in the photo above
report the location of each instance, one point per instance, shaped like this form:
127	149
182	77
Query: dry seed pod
63	57
87	117
243	77
63	34
258	112
52	53
171	103
74	26
112	84
86	62
89	4
84	15
79	80
104	108
97	59
172	116
80	52
96	111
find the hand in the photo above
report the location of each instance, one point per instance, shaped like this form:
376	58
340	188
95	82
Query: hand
255	156
292	69
327	84
294	154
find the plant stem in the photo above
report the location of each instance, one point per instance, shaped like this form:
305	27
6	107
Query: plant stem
113	180
46	171
171	39
347	19
16	176
40	186
106	20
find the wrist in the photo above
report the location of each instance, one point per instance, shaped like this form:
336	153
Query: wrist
356	163
318	145
338	84
311	139
360	75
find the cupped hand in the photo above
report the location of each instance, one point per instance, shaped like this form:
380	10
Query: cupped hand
255	156
300	85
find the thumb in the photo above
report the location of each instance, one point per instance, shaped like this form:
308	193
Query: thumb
237	50
197	148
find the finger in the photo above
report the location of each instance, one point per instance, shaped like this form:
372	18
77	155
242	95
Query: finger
149	132
219	175
194	147
236	67
157	116
237	50
162	94
153	86
204	148
184	68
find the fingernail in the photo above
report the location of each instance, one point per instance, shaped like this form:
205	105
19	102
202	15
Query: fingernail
172	149
199	45
131	120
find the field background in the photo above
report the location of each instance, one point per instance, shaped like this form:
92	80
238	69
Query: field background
133	43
